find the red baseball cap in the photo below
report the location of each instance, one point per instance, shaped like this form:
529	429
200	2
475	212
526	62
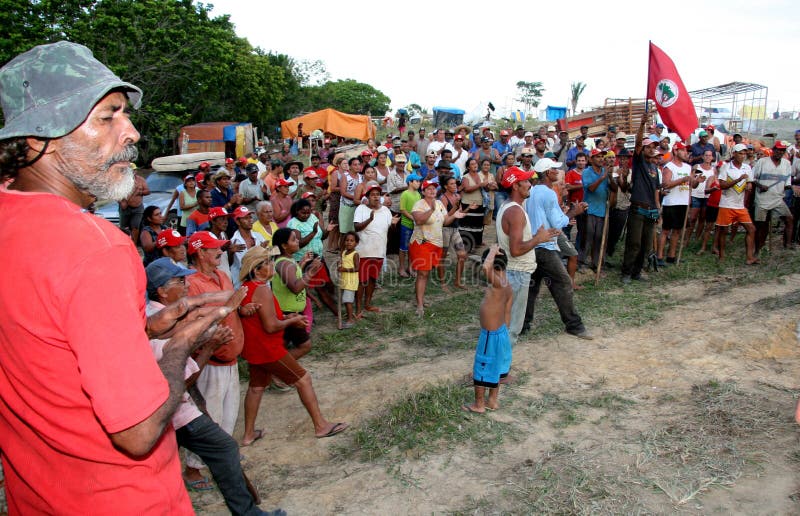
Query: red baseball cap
307	195
366	153
310	173
217	211
596	152
426	184
204	240
241	211
205	165
283	182
515	175
779	144
242	160
504	133
539	140
679	146
710	127
459	137
228	161
169	238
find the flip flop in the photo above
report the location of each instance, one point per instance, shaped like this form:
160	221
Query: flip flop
335	429
259	435
467	408
198	486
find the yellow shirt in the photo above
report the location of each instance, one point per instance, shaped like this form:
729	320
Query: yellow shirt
349	280
259	228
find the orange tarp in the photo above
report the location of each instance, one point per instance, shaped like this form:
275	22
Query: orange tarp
331	121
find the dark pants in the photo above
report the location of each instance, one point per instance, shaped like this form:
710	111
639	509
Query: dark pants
615	226
221	454
593	240
638	244
550	269
580	236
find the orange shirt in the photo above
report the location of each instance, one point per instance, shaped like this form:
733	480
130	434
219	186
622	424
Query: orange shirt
199	284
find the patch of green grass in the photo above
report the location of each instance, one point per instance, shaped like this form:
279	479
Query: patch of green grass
569	410
425	421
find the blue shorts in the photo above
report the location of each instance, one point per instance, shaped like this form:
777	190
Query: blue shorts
492	357
699	202
405	237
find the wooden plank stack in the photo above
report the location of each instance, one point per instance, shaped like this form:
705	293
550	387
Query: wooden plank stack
625	114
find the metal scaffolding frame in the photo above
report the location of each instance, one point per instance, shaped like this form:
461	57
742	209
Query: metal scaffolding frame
738	107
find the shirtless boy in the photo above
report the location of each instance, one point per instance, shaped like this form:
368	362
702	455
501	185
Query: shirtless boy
493	352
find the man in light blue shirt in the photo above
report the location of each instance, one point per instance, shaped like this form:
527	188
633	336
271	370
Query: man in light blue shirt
596	189
544	209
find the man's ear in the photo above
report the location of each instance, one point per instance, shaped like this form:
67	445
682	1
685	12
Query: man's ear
38	146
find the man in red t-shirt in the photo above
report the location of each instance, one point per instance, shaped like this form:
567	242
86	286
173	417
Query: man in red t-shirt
84	421
573	183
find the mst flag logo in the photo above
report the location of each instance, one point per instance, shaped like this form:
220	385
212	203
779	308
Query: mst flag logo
667	93
673	102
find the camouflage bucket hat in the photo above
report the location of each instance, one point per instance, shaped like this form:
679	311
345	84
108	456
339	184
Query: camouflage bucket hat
49	90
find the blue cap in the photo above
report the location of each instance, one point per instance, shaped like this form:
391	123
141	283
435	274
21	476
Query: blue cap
653	139
161	271
413	177
660	126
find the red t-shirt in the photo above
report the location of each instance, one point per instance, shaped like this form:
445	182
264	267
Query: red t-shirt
261	347
199	284
573	177
76	366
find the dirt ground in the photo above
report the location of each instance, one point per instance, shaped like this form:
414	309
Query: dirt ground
702	422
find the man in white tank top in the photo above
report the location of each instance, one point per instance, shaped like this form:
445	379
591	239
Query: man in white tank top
518	241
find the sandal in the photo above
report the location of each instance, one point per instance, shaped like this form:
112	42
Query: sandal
198	486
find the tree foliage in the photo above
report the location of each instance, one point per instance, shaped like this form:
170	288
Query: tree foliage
576	90
530	93
192	67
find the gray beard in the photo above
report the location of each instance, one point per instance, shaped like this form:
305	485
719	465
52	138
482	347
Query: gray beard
100	183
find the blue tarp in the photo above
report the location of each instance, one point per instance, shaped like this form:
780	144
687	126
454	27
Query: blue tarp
452	111
556	112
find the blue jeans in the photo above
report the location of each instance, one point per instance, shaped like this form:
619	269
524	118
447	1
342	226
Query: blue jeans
221	454
519	281
500	198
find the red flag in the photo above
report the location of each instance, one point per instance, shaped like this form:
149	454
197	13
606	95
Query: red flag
666	88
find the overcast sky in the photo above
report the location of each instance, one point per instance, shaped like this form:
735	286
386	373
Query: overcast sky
453	54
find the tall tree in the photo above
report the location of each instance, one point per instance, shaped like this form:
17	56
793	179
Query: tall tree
576	90
349	96
530	93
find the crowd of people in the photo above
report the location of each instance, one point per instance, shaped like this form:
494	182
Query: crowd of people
110	359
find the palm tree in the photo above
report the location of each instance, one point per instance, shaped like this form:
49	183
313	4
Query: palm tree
576	91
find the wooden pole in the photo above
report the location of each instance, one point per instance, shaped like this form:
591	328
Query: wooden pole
602	252
683	229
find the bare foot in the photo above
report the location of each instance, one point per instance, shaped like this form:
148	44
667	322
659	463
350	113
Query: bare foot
754	261
508	380
575	286
404	274
460	286
473	408
445	288
420	311
372	309
492	406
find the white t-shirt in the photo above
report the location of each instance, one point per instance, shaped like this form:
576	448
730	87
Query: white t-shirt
733	197
461	161
699	191
776	178
237	257
372	243
678	195
436	146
